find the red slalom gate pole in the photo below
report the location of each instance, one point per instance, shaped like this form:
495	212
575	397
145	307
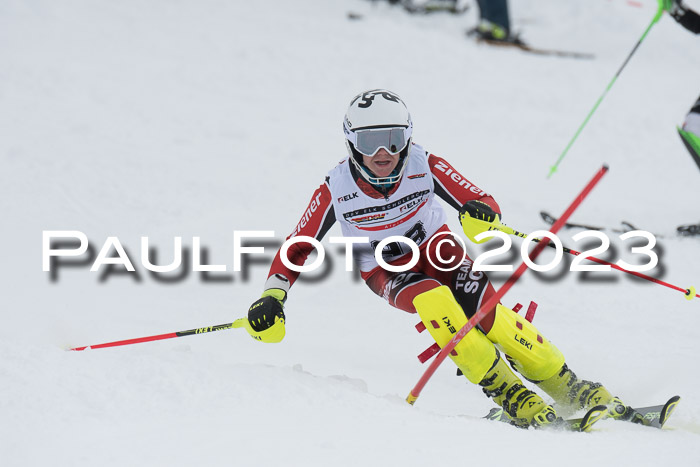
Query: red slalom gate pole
486	307
219	327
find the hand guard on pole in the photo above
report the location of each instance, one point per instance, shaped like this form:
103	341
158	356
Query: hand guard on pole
266	317
477	217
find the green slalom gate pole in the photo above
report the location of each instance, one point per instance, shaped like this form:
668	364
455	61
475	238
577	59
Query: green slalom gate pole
656	18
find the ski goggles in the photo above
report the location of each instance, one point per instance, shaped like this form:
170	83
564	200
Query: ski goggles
371	140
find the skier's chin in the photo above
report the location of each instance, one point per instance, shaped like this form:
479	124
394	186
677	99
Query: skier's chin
381	173
382	170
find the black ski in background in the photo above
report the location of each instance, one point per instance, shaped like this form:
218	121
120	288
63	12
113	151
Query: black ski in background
539	51
687	230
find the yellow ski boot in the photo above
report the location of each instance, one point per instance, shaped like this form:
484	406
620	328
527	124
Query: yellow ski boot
568	390
479	361
574	394
523	406
542	363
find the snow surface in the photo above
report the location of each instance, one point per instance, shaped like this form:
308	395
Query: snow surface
183	118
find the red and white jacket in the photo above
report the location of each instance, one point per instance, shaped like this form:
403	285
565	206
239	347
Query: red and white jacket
409	209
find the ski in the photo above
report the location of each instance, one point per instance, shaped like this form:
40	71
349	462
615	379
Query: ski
540	51
625	226
574	424
428	8
654	416
420	9
549	219
688	230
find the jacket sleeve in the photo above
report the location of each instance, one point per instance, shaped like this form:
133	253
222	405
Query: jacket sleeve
315	222
454	188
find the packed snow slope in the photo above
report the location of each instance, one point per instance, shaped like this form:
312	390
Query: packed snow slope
197	119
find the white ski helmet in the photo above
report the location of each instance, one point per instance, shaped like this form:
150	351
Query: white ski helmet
374	120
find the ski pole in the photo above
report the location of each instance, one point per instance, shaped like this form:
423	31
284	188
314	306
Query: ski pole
689	292
553	168
239	323
486	307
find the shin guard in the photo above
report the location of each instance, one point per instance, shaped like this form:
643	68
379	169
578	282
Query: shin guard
531	354
443	317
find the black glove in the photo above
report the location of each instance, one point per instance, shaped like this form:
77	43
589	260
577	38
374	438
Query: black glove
479	210
262	313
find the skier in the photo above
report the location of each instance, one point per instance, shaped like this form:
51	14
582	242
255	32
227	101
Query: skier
387	186
690	131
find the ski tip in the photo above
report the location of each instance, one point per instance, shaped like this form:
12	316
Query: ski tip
592	416
548	218
668	409
496	413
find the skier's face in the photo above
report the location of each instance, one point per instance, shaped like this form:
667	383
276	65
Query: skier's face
382	163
